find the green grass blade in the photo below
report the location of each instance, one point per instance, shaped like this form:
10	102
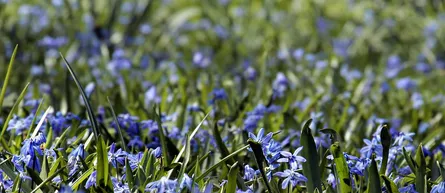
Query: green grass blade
11	113
31	127
205	173
260	160
121	136
386	143
391	187
8	169
7	77
374	185
311	169
102	163
421	186
341	169
162	138
233	174
42	120
82	178
129	174
47	180
409	160
186	157
90	111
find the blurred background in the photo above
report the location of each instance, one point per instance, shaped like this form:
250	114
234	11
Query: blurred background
107	42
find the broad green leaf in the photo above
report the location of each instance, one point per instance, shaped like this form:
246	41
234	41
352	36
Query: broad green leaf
260	161
409	160
82	178
129	174
232	180
391	187
341	169
102	175
421	186
311	169
374	185
385	138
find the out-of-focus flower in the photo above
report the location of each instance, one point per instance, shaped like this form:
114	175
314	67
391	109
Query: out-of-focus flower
162	185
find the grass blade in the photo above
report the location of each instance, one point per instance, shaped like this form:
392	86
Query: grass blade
421	181
7	77
162	138
309	151
47	180
121	136
391	187
374	178
205	173
341	169
82	178
386	143
260	160
102	163
233	174
11	113
90	111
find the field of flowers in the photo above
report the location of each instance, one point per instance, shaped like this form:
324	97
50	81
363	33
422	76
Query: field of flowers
221	96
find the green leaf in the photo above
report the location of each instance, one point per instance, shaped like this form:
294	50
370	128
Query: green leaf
233	174
421	186
442	169
162	138
90	111
409	160
36	179
34	119
8	169
129	174
186	157
341	169
102	175
391	187
309	151
374	185
205	173
7	77
260	160
119	129
47	180
82	178
386	143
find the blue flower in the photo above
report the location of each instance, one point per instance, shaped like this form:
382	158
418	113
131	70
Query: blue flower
293	159
280	85
218	94
76	154
371	147
91	180
408	189
157	152
115	157
249	173
403	137
260	138
19	124
162	185
291	176
406	84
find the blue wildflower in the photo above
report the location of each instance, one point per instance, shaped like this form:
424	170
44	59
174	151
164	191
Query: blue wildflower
371	147
218	94
115	157
406	84
293	159
91	180
291	176
162	185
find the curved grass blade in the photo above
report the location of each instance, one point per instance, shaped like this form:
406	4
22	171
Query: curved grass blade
233	174
341	169
391	187
186	157
121	136
11	113
421	181
386	143
42	120
129	174
374	178
205	173
8	75
90	111
409	160
311	169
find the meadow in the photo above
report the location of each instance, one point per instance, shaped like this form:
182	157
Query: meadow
221	96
